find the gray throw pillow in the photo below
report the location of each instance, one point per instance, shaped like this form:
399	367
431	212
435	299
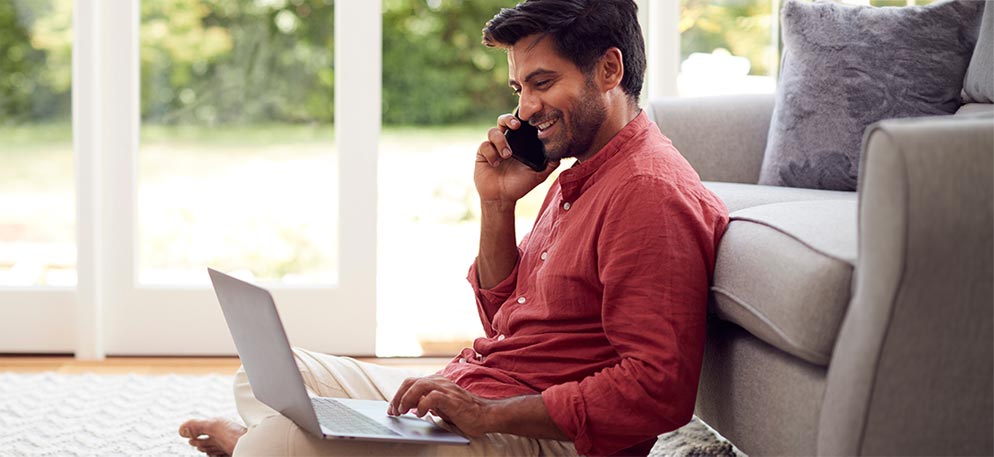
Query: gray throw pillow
979	84
846	67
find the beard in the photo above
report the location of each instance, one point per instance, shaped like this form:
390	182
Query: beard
575	136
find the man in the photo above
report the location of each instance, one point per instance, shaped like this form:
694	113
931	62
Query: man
595	322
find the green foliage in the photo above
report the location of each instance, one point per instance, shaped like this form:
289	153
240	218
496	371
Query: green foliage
739	26
30	86
435	71
209	62
232	61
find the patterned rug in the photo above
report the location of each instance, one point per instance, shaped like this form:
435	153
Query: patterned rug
50	414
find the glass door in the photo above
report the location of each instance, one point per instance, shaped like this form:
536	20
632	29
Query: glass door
37	195
238	168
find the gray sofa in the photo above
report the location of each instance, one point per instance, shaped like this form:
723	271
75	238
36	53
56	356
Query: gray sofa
849	323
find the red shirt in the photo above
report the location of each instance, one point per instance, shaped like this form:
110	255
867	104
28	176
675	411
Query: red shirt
604	312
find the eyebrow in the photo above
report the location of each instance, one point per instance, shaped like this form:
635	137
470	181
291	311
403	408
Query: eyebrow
531	76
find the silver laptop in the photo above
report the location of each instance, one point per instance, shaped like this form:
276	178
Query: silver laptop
265	352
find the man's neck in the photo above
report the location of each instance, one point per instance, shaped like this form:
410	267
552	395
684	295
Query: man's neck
618	116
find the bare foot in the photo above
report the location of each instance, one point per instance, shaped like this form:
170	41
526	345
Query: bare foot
215	437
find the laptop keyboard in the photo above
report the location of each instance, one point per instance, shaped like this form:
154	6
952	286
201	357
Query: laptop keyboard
343	420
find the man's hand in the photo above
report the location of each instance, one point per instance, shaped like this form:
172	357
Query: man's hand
473	415
501	181
498	177
442	397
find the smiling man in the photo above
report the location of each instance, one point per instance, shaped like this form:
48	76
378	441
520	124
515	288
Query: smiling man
595	322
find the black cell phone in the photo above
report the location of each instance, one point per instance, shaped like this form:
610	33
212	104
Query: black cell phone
525	145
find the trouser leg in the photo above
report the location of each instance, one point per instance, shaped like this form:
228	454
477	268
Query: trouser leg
270	433
325	376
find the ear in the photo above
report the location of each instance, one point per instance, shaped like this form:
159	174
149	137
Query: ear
610	69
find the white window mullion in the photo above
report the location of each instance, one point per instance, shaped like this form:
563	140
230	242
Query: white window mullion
105	126
662	21
358	81
86	146
121	115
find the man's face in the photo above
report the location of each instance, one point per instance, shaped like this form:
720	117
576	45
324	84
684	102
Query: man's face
556	97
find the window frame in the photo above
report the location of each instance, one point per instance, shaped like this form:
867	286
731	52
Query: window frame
114	314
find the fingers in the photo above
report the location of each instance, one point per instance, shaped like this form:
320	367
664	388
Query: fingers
394	408
414	394
507	121
496	149
487	152
432	401
414	391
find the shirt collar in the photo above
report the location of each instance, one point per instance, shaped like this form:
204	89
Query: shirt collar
573	180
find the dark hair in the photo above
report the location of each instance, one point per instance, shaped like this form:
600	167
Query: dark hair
582	31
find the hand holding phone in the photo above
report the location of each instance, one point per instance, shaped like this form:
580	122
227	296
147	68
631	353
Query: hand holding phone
525	145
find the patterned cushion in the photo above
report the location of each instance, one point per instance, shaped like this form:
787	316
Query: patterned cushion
846	67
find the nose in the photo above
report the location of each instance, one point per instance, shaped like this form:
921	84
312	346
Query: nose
528	105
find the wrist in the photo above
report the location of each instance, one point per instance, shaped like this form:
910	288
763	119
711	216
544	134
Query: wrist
498	205
499	416
525	416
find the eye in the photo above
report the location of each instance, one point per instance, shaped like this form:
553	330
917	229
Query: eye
543	84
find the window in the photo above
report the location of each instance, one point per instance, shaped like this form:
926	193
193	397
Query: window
442	92
38	266
238	168
234	100
727	47
37	198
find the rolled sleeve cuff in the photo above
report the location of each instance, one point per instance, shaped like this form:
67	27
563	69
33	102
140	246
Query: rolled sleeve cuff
566	407
489	300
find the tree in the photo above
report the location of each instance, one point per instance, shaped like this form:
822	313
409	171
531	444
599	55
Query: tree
34	83
435	69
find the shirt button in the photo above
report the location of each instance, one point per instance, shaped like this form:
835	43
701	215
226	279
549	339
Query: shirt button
500	337
566	206
545	255
521	300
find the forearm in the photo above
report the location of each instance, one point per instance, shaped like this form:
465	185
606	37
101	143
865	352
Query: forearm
525	416
498	251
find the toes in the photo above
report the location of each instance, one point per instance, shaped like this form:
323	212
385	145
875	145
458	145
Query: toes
192	428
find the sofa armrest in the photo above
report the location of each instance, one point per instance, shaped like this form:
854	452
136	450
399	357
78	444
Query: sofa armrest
911	372
723	137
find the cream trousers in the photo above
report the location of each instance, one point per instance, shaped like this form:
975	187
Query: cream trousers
272	434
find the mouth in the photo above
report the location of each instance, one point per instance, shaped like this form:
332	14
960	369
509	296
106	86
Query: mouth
545	125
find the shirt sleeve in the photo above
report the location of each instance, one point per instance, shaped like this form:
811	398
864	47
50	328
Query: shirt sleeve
656	254
488	301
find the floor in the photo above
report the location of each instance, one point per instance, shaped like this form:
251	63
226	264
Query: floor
166	365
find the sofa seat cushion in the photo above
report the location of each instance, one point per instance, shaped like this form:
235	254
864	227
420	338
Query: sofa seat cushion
784	273
973	109
739	196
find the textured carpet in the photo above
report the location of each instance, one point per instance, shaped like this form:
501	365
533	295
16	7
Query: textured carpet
49	414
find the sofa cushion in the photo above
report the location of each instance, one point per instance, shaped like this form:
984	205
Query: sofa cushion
740	196
978	87
973	109
784	273
846	67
